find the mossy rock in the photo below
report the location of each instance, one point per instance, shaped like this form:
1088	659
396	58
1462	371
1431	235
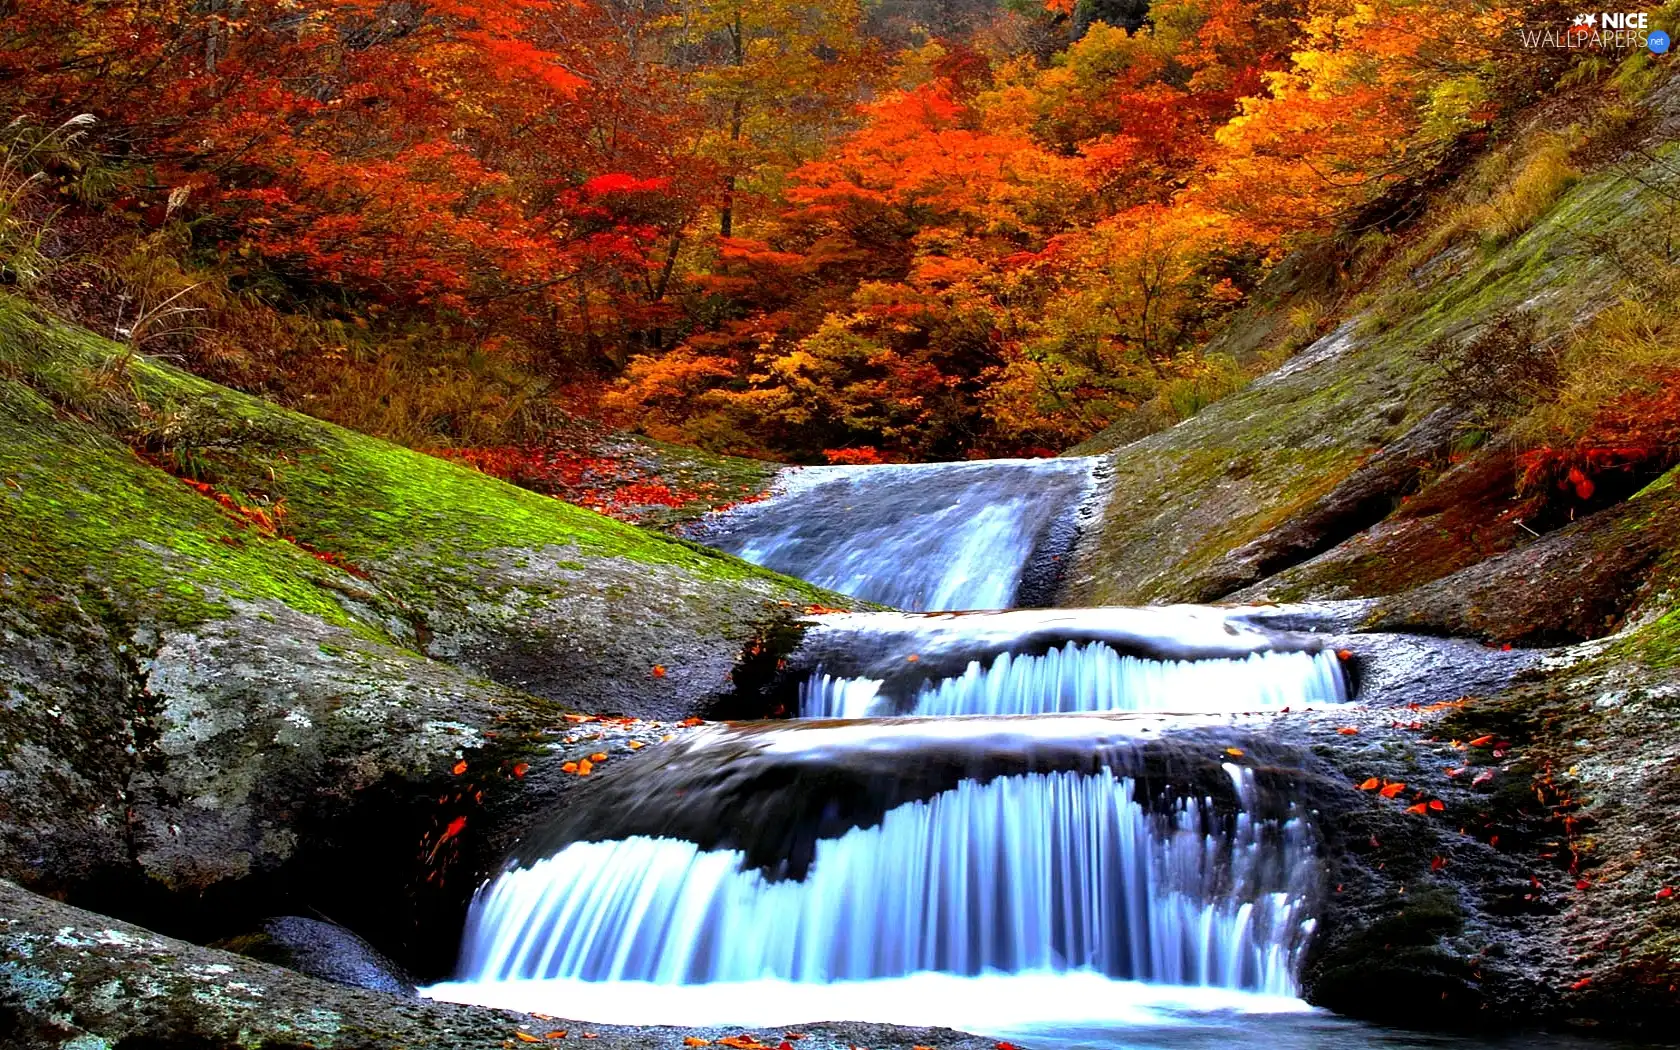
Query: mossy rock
392	544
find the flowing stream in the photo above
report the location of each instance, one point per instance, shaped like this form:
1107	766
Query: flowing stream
984	535
1002	822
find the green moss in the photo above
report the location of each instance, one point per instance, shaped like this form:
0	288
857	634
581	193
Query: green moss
76	506
419	519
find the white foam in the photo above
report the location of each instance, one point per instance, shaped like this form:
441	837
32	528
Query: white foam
988	1003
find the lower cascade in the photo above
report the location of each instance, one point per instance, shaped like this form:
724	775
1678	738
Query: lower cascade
1094	677
1033	873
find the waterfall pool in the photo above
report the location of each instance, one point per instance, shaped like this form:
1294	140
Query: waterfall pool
992	1004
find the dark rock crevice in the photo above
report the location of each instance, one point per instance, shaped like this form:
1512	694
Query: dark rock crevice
1574	584
1368	495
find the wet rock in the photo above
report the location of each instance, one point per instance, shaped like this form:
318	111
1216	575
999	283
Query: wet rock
1465	515
325	950
320	653
834	525
1366	496
774	789
905	651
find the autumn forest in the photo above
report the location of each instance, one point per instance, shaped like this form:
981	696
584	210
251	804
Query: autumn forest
840	232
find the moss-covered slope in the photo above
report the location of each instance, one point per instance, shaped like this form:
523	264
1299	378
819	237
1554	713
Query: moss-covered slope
267	503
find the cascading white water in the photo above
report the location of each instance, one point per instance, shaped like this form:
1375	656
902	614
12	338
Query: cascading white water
1031	873
1010	896
1094	677
914	536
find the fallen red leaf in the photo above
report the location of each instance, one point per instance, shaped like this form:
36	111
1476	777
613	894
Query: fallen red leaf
1482	741
1665	893
520	768
584	767
1437	863
1371	785
1582	884
1348	731
1582	983
1419	808
690	722
659	670
1390	790
696	1041
1437	805
526	1037
459	768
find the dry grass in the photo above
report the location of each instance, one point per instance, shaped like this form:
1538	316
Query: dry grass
1541	175
1625	352
415	384
423	392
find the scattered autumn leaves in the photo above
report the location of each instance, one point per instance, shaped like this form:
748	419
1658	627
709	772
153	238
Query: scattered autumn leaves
618	486
745	1042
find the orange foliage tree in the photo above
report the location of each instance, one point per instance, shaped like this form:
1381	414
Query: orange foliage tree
501	163
1000	250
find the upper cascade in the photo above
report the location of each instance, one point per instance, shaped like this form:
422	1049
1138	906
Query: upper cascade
987	534
1093	678
1041	872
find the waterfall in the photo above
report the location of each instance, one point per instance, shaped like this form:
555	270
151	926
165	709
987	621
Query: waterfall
983	535
1094	677
968	871
1041	872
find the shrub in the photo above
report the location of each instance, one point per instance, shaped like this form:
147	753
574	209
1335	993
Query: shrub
1496	374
